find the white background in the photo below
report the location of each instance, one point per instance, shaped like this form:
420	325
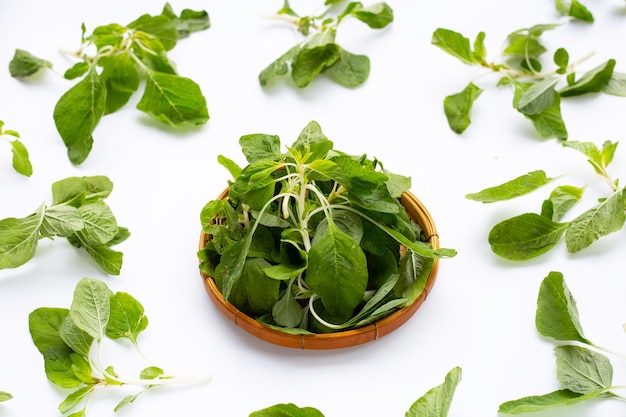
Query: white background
480	314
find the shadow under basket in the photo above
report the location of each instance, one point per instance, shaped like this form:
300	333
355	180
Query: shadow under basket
342	339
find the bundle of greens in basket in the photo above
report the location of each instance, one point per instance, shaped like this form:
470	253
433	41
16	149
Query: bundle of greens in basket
314	239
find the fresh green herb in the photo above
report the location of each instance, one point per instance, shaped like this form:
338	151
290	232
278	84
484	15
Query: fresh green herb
124	55
575	9
537	93
77	213
66	339
435	403
583	372
310	239
318	52
21	161
531	234
5	396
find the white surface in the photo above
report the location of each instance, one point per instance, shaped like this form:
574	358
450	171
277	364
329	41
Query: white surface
480	315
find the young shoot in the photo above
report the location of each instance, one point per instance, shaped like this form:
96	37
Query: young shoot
21	161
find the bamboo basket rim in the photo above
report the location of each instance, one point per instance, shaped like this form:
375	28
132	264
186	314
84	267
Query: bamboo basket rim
336	340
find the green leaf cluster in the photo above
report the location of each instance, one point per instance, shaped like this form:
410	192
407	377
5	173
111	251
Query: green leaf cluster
529	235
70	341
537	93
124	56
21	161
435	403
583	372
311	239
77	213
318	53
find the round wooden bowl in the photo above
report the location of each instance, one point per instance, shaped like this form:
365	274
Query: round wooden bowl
353	337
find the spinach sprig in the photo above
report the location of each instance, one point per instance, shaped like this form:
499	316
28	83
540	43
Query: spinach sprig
21	161
309	240
66	338
124	55
529	235
77	213
537	93
319	53
582	370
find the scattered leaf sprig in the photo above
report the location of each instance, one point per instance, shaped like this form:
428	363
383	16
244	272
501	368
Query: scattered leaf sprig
66	338
582	370
537	92
77	213
529	235
435	403
318	53
111	75
21	161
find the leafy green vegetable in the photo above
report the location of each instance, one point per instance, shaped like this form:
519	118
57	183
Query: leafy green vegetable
529	235
584	374
65	338
310	239
21	161
77	213
124	55
436	402
5	396
318	53
537	93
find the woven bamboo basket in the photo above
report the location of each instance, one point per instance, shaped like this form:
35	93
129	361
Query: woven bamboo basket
343	339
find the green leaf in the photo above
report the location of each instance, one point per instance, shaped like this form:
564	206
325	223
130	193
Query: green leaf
436	402
77	339
77	70
77	191
121	78
278	67
603	219
593	81
255	292
376	16
21	161
539	97
458	107
557	315
100	225
454	44
312	144
582	370
318	54
189	21
5	396
350	70
78	112
287	312
44	325
525	236
575	9
161	27
337	271
91	306
127	318
60	365
230	165
260	146
561	199
287	410
543	402
517	187
61	221
561	59
24	64
75	398
151	372
19	237
108	259
549	123
616	85
173	100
